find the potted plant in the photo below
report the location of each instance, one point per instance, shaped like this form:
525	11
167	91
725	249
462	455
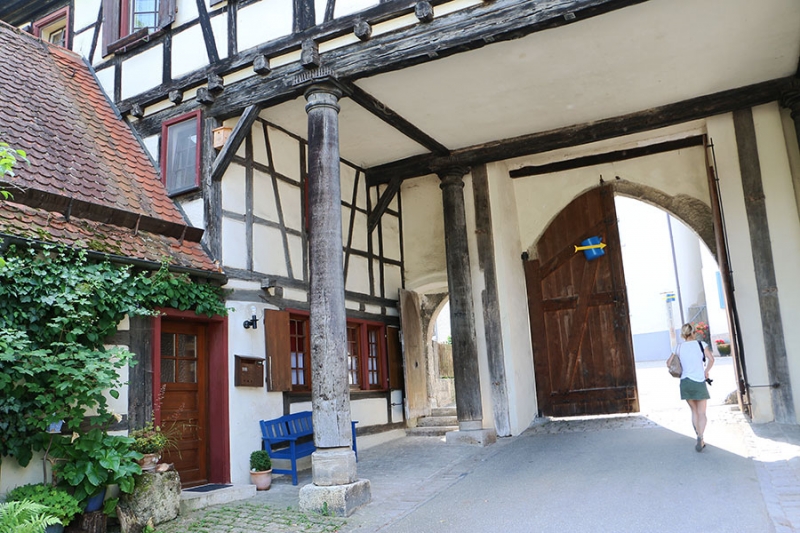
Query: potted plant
150	441
723	347
261	469
91	461
57	502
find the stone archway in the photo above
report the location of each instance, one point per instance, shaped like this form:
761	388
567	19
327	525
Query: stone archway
693	212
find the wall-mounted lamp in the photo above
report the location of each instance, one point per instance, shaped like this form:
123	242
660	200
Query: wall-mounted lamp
252	322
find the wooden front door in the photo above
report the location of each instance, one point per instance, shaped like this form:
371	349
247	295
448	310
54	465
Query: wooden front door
582	348
184	409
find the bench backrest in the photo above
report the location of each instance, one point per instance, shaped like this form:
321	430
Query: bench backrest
294	425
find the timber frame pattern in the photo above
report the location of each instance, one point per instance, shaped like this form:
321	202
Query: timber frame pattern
469	28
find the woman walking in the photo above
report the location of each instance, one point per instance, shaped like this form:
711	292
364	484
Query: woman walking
696	360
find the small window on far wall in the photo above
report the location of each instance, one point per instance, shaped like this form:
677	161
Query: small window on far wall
53	28
180	154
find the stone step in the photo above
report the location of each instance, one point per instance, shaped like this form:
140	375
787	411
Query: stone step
430	421
443	411
191	501
435	431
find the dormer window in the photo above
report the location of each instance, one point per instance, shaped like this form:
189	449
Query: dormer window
126	22
53	28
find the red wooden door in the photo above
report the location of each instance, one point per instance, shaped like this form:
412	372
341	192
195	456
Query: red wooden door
184	410
583	353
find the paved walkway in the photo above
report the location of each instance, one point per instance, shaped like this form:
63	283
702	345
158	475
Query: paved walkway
620	473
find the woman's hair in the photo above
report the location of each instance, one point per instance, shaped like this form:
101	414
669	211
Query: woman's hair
687	330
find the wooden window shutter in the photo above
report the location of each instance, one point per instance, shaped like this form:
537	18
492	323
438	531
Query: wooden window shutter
396	378
166	13
111	23
279	363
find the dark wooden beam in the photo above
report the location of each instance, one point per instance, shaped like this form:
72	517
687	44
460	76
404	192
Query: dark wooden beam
383	202
464	30
608	157
540	142
389	116
238	134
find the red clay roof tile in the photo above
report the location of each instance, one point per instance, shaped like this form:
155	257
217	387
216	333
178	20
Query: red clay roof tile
79	148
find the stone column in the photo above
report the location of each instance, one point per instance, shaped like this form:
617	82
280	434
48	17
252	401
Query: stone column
462	316
335	486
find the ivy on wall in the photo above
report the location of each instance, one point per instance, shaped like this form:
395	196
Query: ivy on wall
56	308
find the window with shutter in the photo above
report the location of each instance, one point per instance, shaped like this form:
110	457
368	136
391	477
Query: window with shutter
128	21
278	343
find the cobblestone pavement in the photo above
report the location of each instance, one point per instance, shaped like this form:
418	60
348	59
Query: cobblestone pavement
409	473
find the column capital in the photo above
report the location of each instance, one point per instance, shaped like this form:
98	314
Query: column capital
452	175
323	95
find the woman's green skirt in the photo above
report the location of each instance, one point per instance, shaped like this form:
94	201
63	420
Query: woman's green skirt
692	390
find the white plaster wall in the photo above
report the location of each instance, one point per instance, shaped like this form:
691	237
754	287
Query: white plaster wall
793	150
721	133
152	145
188	51
106	79
647	259
285	154
264	205
689	269
347	7
186	11
233	254
717	314
259	145
291	201
262	22
195	212
85	13
423	235
13	475
233	189
82	43
219	26
248	405
269	255
391	236
784	228
358	275
513	304
296	253
369	412
347	180
393	279
142	71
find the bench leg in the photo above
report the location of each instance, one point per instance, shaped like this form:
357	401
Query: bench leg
294	463
355	444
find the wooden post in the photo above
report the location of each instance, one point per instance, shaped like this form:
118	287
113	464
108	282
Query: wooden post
462	316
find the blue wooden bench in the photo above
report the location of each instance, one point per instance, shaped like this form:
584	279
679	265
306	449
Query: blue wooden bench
291	437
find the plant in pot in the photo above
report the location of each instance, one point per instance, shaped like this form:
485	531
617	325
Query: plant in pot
261	469
91	461
723	347
150	441
57	502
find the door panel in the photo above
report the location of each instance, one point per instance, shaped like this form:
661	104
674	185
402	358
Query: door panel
416	371
583	353
184	410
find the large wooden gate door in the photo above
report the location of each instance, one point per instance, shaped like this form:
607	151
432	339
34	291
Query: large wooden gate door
184	410
583	353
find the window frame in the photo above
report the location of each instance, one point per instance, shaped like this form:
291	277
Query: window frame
116	33
196	116
50	20
363	327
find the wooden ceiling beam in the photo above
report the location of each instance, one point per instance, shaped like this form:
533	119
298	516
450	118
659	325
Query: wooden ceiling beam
546	141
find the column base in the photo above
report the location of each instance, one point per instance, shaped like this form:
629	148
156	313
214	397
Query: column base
475	437
335	500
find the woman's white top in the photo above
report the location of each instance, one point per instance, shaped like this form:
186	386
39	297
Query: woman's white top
692	360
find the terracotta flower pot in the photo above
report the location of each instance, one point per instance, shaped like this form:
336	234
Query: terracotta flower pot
262	480
149	461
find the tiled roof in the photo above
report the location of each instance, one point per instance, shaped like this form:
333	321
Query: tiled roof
52	106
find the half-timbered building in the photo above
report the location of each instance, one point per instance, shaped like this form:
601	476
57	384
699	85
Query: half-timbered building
457	150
